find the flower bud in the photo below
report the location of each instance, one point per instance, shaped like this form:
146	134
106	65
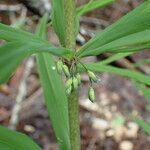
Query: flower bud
93	77
68	90
59	66
68	83
78	76
91	94
75	82
66	71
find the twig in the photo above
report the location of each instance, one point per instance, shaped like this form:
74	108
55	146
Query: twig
95	21
14	8
21	94
17	23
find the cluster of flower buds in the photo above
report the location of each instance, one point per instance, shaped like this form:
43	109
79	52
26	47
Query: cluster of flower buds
62	68
73	83
74	80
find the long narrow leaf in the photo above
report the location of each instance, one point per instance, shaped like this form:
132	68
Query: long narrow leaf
123	72
15	35
13	53
114	57
58	19
93	4
12	140
55	98
130	43
137	21
11	56
11	34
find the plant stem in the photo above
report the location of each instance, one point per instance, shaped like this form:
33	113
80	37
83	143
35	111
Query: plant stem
74	121
73	108
69	12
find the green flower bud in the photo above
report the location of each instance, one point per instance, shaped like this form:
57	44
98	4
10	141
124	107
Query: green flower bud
68	83
91	94
59	66
66	71
75	82
68	90
93	77
78	76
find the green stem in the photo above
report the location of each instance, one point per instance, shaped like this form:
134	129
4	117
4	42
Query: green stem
69	12
74	121
73	108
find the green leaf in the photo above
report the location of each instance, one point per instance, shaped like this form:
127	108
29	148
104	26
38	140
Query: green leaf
12	140
114	57
128	29
55	98
11	34
130	43
123	72
22	44
58	19
93	4
13	53
145	126
15	35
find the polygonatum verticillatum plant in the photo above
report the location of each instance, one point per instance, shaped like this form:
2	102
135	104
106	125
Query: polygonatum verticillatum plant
125	37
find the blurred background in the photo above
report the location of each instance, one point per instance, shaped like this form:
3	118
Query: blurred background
105	124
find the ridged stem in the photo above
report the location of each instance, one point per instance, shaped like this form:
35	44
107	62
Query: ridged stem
73	108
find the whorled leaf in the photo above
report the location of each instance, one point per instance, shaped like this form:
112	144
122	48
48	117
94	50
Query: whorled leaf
114	57
97	67
93	4
15	35
132	30
58	19
13	53
55	98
